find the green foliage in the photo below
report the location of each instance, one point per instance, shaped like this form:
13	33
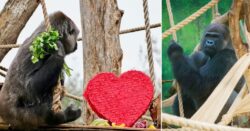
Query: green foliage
44	44
67	69
189	36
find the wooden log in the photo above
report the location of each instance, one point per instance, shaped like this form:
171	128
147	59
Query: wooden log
169	102
100	33
77	127
240	49
13	18
245	12
216	101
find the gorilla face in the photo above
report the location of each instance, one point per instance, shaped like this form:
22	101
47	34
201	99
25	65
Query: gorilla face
212	43
67	29
70	41
215	38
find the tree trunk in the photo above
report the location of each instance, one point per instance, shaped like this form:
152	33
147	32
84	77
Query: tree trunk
13	19
240	10
101	45
246	10
234	17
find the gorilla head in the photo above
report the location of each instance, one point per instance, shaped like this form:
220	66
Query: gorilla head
215	39
68	32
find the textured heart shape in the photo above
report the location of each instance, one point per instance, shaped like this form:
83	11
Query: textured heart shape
121	99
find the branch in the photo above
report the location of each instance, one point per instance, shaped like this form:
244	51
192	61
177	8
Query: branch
13	19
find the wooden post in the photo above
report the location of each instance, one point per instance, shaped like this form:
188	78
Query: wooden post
101	44
234	17
12	20
246	11
240	10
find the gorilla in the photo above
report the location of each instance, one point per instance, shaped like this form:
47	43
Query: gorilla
200	73
27	94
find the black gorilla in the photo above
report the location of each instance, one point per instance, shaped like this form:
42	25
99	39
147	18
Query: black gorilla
27	94
201	72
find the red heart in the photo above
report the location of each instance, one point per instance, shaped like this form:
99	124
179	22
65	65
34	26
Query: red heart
121	99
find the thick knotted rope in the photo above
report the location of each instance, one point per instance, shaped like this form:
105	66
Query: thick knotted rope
57	106
45	14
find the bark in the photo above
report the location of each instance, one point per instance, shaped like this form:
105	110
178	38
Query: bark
240	10
246	16
234	16
13	19
100	33
223	19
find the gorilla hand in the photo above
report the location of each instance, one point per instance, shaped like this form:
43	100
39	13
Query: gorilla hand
174	50
199	58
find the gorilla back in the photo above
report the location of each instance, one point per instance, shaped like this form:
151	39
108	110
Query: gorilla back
27	94
201	72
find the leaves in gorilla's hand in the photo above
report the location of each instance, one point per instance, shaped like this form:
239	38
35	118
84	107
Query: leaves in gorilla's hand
44	44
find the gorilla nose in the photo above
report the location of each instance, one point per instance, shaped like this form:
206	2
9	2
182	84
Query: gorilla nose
209	42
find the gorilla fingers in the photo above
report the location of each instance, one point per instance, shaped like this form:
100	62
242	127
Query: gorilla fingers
174	50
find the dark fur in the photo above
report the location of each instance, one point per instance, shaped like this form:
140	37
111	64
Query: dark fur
26	96
201	72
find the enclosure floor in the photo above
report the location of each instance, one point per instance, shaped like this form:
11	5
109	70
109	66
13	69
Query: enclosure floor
77	127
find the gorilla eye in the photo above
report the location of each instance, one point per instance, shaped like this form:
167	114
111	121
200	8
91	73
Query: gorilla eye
71	31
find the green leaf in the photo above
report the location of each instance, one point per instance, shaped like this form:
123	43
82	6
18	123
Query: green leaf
67	69
45	43
34	59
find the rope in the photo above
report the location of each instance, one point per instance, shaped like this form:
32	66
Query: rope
178	121
215	11
139	28
66	94
189	19
45	14
181	109
179	95
166	81
131	30
171	18
9	46
149	42
57	106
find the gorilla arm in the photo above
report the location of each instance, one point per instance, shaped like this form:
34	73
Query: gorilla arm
45	78
46	72
184	72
